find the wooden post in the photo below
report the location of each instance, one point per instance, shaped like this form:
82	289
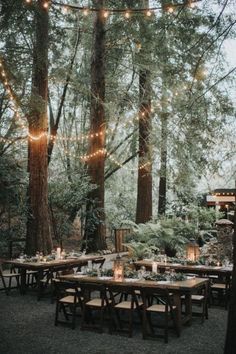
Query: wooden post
120	239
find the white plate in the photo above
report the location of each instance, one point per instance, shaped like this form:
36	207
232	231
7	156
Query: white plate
105	278
131	280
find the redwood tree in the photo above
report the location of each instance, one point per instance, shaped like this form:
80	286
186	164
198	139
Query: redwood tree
144	185
144	192
38	236
230	342
94	228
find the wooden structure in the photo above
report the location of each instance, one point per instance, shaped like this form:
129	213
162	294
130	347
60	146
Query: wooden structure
120	239
223	200
41	267
178	288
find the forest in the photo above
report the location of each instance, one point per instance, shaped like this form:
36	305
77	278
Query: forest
115	114
111	111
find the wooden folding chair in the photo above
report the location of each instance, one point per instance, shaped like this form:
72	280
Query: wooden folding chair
158	302
94	300
8	276
199	299
220	290
66	304
124	299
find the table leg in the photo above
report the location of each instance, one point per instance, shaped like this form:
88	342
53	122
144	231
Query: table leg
177	302
22	281
39	284
188	308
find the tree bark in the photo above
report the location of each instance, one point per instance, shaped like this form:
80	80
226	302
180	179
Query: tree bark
38	237
144	191
230	341
95	229
164	129
144	184
163	167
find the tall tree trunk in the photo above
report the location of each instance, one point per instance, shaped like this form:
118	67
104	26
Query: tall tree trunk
144	192
163	167
164	128
144	187
38	237
95	229
230	341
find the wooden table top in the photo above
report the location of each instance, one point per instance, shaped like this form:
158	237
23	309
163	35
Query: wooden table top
50	264
187	284
188	268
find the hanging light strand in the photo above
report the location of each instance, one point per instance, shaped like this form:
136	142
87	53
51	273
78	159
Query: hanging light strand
100	152
82	137
128	12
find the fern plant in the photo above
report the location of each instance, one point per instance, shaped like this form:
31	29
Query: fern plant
140	250
165	234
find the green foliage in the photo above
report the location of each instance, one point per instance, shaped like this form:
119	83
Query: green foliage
140	250
173	233
204	218
12	182
69	194
67	197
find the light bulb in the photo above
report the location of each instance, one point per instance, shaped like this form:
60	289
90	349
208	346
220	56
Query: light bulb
45	5
170	9
105	14
85	12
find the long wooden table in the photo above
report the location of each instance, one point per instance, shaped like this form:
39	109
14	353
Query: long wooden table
41	267
185	268
178	288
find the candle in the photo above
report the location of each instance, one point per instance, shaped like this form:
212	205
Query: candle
154	267
58	253
165	259
90	265
218	264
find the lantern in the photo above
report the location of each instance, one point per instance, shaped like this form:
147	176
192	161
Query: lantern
154	267
193	251
118	269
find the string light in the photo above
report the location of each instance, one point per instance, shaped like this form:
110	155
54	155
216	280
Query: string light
65	9
8	89
85	12
11	141
149	13
127	13
84	158
46	5
170	9
82	137
105	14
191	4
119	164
100	152
37	137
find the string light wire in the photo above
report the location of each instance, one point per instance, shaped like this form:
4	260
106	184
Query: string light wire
128	12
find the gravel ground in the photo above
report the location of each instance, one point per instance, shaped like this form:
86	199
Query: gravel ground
27	327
